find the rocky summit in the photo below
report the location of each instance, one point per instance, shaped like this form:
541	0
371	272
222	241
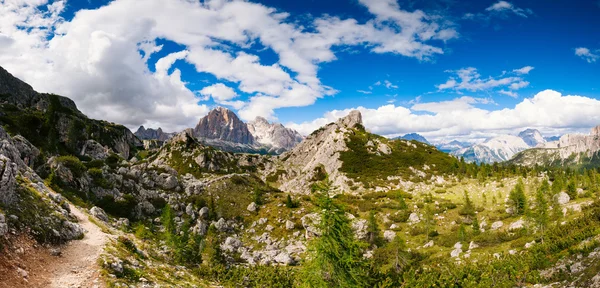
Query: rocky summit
151	134
222	124
274	134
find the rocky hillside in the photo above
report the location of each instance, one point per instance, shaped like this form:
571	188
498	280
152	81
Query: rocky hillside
500	148
222	124
355	160
569	150
55	125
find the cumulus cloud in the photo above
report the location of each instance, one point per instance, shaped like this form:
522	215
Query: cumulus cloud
464	118
587	55
100	57
470	80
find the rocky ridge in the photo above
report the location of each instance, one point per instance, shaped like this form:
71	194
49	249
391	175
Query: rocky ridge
569	150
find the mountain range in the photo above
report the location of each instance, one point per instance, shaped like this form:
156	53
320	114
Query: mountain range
223	129
500	148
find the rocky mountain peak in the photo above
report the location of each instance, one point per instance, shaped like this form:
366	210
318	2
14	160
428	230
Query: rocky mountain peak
532	137
273	134
350	120
222	124
150	134
596	131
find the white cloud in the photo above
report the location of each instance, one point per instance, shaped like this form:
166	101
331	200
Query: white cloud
100	57
389	85
364	91
470	80
504	7
548	111
524	70
509	93
587	55
219	92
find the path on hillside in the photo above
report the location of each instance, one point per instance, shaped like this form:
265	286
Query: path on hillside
78	264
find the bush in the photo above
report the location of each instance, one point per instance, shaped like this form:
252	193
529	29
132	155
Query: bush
73	163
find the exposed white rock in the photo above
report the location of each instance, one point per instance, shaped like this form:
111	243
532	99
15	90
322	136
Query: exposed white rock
562	198
497	225
473	245
289	225
389	235
516	225
99	213
428	244
252	207
413	218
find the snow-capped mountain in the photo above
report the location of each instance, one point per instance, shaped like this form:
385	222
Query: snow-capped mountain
273	134
501	148
532	137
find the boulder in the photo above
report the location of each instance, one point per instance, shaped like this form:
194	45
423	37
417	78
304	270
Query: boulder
8	181
473	245
94	150
389	235
284	258
231	244
413	218
99	213
289	225
562	198
221	225
516	225
252	207
497	225
203	213
360	228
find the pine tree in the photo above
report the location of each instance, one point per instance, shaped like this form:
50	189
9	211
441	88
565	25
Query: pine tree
475	226
373	233
572	189
428	219
541	217
335	258
401	203
468	208
518	199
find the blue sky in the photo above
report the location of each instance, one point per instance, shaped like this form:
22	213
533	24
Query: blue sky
462	55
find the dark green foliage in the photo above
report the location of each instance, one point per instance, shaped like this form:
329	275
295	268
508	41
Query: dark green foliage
74	164
373	232
290	203
475	226
468	209
335	258
98	178
120	208
572	189
541	216
364	166
518	199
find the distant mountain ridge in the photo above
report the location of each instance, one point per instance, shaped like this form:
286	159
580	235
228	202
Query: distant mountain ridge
501	148
414	136
569	150
223	129
151	134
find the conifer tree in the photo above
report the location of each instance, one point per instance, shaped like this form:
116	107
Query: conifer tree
518	199
335	257
373	233
541	217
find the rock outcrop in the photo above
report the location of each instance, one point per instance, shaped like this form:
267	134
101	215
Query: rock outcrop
320	150
274	134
